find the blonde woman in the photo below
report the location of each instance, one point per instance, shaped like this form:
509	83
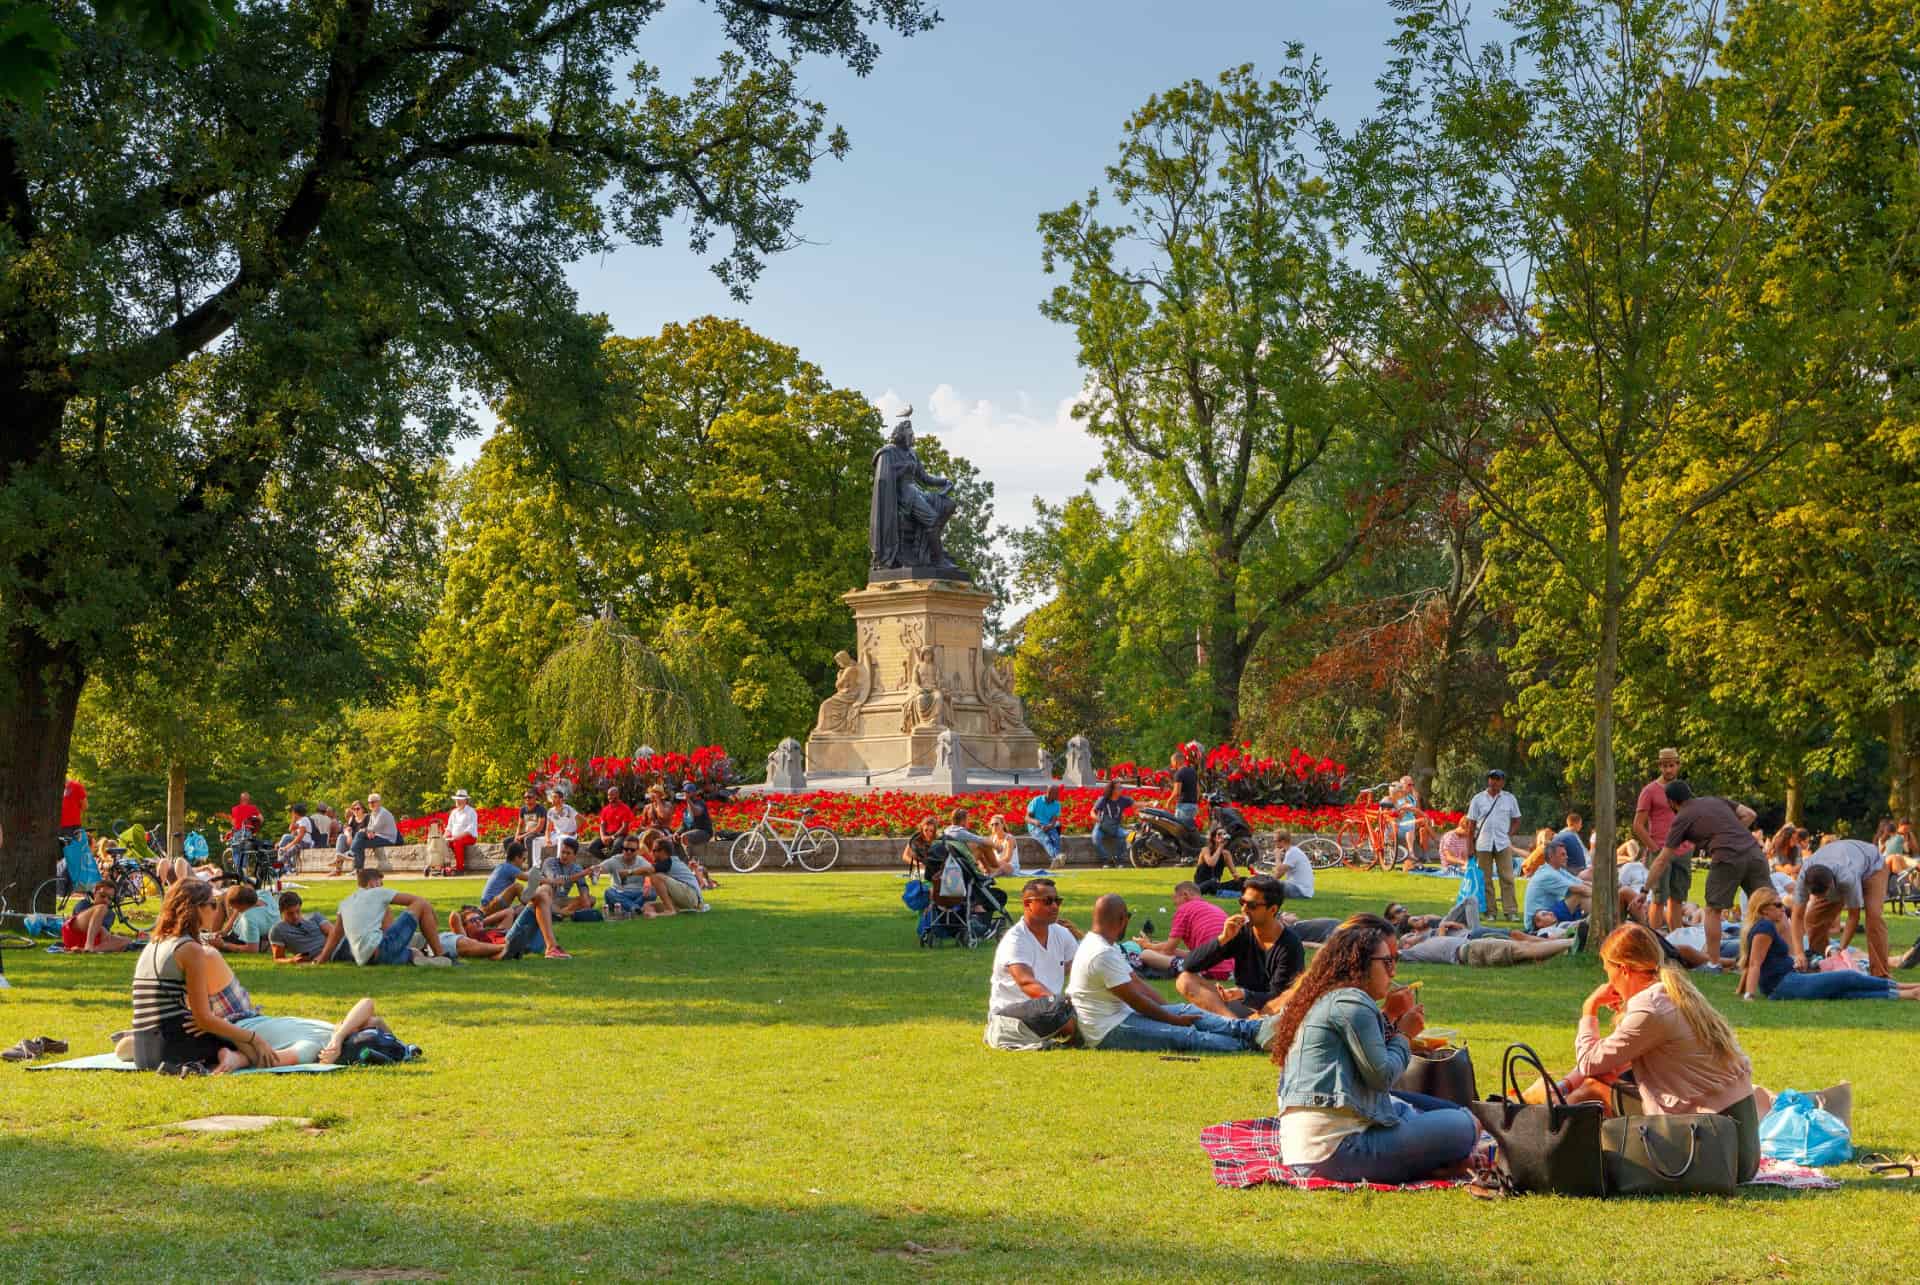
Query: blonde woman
1538	857
1684	1056
1003	847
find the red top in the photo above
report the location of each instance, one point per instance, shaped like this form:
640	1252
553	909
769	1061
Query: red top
73	804
616	817
245	814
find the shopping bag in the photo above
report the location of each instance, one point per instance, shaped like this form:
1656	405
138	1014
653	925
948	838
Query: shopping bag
1553	1147
1800	1131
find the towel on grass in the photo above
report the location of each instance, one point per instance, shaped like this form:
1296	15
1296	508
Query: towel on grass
108	1062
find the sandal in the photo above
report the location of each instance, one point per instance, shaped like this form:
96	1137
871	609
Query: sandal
182	1070
1892	1169
50	1045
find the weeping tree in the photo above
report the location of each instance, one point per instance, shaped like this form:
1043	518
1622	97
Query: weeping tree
606	691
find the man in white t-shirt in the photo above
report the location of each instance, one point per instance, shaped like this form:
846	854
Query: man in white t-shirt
1493	812
1296	867
563	822
1117	1010
375	934
1031	963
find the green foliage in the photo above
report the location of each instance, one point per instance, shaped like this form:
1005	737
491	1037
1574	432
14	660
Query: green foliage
605	692
32	44
399	751
1208	317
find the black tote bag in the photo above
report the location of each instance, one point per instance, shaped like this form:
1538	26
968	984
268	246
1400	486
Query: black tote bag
1551	1148
1445	1073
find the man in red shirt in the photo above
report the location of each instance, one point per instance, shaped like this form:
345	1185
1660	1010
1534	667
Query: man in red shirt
1652	817
616	822
1195	922
73	805
245	815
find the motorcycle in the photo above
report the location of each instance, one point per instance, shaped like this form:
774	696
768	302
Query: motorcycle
1160	838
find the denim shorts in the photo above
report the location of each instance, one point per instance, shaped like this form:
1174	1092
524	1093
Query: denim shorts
396	944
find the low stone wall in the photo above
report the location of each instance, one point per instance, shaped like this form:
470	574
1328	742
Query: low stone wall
855	854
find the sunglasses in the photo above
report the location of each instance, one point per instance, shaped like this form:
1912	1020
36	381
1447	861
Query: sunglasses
1250	905
1046	901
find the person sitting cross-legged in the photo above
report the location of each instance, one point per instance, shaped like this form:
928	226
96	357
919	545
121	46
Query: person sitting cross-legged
297	938
1031	963
1116	1010
631	874
1266	955
1196	921
1043	821
378	936
1339	1055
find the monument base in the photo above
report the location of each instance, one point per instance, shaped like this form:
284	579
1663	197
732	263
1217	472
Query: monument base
922	668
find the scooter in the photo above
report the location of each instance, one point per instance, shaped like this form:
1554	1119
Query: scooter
1160	838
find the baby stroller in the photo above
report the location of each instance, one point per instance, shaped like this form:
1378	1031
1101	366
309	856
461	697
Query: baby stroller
963	906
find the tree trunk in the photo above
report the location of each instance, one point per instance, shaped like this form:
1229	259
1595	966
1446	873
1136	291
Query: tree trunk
1903	765
176	807
39	696
1224	659
1606	878
1796	799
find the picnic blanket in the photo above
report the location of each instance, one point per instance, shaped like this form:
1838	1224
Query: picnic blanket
1246	1153
108	1062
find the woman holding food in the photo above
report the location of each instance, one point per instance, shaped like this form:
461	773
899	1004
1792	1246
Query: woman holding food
1684	1057
1339	1055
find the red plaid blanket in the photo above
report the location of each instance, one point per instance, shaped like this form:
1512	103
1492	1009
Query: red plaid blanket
1246	1153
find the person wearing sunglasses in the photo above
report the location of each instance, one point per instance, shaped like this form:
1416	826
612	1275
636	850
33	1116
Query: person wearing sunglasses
1339	1055
1030	965
1266	955
630	872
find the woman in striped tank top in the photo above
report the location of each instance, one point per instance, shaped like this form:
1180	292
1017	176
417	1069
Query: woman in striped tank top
174	1025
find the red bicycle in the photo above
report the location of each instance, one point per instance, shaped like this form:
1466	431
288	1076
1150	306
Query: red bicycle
1369	834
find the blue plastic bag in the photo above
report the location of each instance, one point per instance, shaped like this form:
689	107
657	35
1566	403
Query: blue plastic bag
916	895
1474	884
1800	1131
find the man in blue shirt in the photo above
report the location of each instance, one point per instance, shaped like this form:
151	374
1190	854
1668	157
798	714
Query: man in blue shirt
1555	892
1043	821
1575	845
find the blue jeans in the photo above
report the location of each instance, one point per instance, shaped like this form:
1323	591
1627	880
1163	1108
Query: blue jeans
626	899
1211	1034
1844	985
524	935
1110	841
1048	837
363	841
396	943
1187	812
1432	1134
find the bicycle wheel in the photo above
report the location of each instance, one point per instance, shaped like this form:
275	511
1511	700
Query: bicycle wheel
137	916
748	851
46	898
817	848
1322	853
1356	847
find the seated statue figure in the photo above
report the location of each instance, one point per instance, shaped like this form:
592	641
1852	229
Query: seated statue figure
907	517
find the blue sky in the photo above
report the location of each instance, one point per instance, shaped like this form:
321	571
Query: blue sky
922	281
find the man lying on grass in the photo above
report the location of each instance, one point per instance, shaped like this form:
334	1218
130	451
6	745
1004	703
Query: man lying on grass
378	936
298	938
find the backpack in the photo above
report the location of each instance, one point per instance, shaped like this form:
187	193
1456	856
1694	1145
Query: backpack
953	883
376	1048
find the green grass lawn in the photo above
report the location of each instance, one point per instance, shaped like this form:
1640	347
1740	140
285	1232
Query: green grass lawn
789	1088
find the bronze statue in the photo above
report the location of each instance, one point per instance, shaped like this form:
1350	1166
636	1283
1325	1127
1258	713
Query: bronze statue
907	519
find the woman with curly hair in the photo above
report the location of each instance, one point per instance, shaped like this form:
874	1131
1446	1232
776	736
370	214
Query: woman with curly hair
1339	1055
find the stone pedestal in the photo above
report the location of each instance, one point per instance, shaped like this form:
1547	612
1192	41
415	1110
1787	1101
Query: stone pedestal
921	668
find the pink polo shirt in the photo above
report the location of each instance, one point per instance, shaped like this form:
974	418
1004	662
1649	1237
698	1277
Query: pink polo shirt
1199	921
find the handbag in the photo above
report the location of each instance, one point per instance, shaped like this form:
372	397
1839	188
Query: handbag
1444	1073
1671	1155
1554	1147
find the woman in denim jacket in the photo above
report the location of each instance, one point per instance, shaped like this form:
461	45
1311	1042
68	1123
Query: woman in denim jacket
1339	1055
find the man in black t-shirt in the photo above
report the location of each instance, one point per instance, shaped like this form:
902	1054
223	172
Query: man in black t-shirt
1183	791
1717	827
1266	955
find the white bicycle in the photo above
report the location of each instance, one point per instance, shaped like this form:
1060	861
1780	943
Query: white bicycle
815	847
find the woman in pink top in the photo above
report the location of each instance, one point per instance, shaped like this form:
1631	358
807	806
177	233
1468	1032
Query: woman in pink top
1684	1057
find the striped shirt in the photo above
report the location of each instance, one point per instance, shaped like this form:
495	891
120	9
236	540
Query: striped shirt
159	987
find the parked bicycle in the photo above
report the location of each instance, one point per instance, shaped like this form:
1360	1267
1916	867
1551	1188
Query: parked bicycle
1322	854
126	879
815	847
1369	835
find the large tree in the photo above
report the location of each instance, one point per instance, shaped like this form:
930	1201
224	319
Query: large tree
1205	319
313	241
1581	218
